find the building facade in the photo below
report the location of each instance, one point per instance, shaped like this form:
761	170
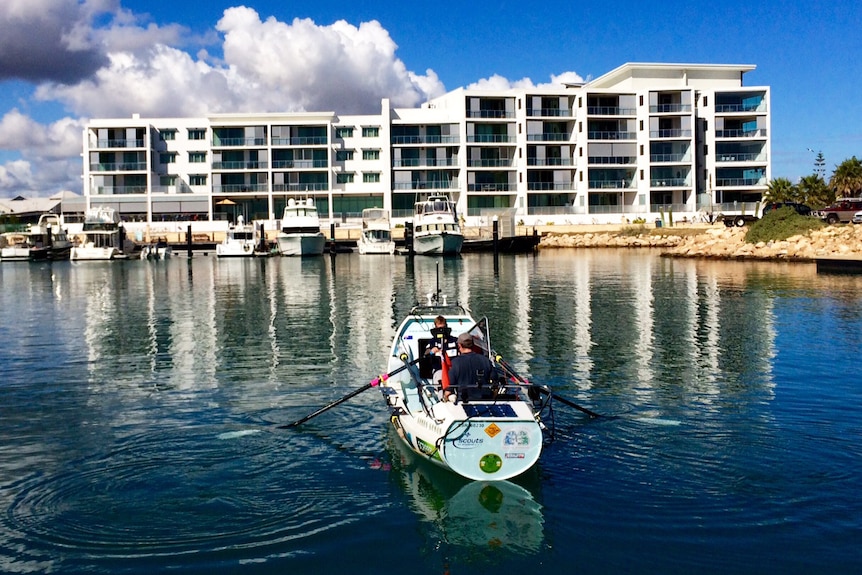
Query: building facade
642	141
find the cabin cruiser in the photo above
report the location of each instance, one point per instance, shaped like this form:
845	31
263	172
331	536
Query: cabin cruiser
376	234
300	233
436	230
102	236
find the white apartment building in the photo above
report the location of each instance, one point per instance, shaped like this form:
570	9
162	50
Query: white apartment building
641	141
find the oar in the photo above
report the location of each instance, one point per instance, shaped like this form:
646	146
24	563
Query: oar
543	389
373	383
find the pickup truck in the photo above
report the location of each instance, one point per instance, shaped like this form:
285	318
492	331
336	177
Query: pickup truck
738	220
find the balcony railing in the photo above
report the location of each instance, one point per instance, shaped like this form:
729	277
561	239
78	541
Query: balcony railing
237	142
616	160
240	165
425	185
725	182
550	186
550	112
490	114
118	190
612	135
501	187
611	184
301	187
239	188
300	141
119	143
670	134
299	164
429	162
672	182
741	157
425	139
549	162
669	108
549	137
491	163
659	158
758	133
118	167
725	108
491	139
610	111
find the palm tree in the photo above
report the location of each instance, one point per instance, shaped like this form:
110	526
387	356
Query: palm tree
814	192
846	180
780	190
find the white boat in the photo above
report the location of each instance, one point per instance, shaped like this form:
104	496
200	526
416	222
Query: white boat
239	242
486	433
44	240
436	230
158	250
102	236
376	234
300	233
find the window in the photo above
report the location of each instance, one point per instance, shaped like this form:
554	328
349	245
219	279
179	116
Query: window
168	135
370	154
197	179
344	178
168	157
167	181
344	132
343	155
370	132
197	157
371	177
197	134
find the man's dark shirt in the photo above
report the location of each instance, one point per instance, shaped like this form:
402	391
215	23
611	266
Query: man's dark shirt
465	370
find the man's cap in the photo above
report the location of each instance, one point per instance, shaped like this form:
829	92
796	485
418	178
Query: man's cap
465	339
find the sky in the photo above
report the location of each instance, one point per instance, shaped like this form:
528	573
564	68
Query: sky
63	62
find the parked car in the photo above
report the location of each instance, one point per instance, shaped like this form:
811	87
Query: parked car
857	218
801	209
842	210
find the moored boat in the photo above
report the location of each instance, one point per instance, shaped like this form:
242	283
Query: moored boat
300	233
44	240
376	234
483	432
239	242
436	230
102	236
157	250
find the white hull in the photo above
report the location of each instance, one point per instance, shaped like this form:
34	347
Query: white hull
443	243
367	244
155	252
491	437
90	252
301	244
239	242
14	254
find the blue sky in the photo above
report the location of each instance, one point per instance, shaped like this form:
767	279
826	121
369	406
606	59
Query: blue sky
64	61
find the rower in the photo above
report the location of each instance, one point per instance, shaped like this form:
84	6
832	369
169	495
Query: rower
471	373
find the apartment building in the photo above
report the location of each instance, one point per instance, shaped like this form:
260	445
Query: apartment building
641	141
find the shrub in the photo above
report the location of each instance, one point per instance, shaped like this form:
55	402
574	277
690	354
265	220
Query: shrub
636	230
781	224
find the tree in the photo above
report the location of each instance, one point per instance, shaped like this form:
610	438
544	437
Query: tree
846	180
780	190
820	166
813	192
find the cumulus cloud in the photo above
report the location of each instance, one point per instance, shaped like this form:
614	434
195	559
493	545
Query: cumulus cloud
48	40
497	82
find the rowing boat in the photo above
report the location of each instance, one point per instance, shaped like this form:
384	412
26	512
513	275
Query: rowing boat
484	433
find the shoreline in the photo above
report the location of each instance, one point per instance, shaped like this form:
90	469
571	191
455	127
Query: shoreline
715	241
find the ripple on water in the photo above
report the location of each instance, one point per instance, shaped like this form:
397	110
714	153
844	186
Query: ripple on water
195	492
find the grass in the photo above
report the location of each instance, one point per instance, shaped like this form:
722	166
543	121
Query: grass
781	224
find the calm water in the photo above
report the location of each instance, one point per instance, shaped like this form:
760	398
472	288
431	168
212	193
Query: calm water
138	405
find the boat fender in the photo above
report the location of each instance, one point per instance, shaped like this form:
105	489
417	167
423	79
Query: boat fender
246	248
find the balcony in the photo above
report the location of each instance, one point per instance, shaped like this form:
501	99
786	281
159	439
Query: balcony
299	164
301	141
425	162
670	108
549	162
425	185
301	187
240	165
551	112
118	190
549	137
611	184
612	160
665	158
669	182
734	182
120	143
425	139
742	107
491	187
237	142
612	135
741	157
756	133
491	163
118	167
491	139
676	133
610	111
502	114
550	186
239	188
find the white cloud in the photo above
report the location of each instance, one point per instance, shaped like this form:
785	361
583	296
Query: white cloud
497	82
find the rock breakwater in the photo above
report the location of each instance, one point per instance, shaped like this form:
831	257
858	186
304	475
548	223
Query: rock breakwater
720	242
